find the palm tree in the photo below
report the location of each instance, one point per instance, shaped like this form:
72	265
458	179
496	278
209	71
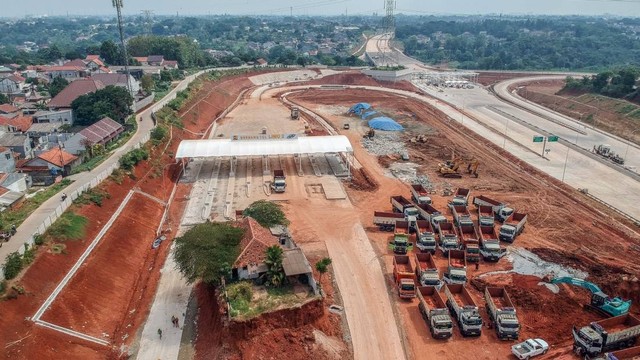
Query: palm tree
275	271
322	266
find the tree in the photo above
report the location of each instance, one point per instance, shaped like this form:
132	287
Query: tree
275	271
110	52
112	101
207	251
266	213
4	99
58	84
322	266
147	83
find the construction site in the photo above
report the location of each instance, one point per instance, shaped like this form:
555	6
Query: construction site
369	176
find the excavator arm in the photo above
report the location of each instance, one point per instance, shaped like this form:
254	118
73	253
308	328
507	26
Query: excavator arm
577	282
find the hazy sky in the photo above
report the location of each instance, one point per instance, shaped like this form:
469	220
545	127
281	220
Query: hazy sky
326	7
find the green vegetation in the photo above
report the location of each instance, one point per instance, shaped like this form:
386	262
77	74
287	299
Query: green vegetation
4	99
275	275
207	252
57	85
3	286
180	48
322	267
112	101
147	83
90	164
158	134
12	265
266	213
245	303
93	195
133	157
619	83
389	68
19	214
69	226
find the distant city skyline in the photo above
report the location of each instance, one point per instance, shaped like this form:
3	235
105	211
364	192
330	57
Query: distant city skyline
328	7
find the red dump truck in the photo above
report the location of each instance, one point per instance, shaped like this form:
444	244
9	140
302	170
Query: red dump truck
461	215
386	221
626	354
447	238
464	309
606	335
404	276
401	243
457	268
470	240
420	195
405	207
512	227
490	248
434	312
500	210
485	215
461	197
431	214
502	313
427	270
425	238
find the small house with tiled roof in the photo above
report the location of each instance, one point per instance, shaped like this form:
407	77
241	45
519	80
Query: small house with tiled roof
10	110
13	84
19	123
94	62
55	160
253	246
73	91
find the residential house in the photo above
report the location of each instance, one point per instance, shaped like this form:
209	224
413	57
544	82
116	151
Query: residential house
9	198
117	79
13	84
155	60
16	182
19	123
261	62
102	132
55	160
170	64
63	100
94	63
253	246
142	60
7	160
64	116
5	71
9	111
17	143
68	72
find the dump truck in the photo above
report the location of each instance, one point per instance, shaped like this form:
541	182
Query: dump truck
461	197
632	353
456	272
420	195
434	312
463	309
469	239
512	227
425	238
485	215
429	213
501	211
447	238
489	244
404	276
502	313
386	221
427	270
461	215
405	207
278	184
401	243
295	113
606	335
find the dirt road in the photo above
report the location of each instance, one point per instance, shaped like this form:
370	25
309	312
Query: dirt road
358	274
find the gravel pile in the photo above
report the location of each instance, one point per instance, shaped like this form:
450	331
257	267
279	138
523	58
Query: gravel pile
384	144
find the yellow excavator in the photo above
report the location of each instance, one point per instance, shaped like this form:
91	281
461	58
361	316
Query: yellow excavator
449	169
472	167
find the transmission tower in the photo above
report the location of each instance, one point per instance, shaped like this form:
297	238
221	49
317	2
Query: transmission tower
148	21
118	5
389	21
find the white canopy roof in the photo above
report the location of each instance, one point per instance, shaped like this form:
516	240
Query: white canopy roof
228	147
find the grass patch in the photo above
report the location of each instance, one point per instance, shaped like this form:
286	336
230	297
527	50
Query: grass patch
18	215
92	196
261	299
69	226
90	164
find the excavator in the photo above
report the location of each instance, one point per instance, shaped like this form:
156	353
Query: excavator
472	167
600	301
449	169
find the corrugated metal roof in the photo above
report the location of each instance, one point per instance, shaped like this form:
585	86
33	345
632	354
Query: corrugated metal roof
228	147
295	263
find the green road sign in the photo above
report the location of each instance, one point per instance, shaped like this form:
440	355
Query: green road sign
538	138
552	138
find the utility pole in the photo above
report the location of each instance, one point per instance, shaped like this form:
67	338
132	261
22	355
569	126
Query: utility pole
118	5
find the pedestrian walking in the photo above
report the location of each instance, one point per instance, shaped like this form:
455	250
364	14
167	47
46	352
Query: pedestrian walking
478	265
160	333
177	323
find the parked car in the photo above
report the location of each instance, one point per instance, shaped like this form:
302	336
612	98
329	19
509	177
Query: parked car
530	348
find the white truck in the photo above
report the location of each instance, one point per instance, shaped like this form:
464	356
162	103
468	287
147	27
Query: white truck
463	309
425	238
431	214
605	335
447	238
530	348
490	248
434	312
461	197
485	215
461	215
501	211
502	313
456	272
420	195
512	227
427	271
279	183
405	207
386	221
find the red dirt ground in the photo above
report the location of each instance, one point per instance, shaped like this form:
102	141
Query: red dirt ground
358	78
560	221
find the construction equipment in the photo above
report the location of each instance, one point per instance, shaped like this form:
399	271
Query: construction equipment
461	197
604	150
419	194
279	183
406	207
370	134
427	270
489	245
404	276
456	272
472	167
464	309
295	113
449	169
605	335
447	238
501	211
434	312
431	214
386	221
512	227
461	215
600	301
401	243
425	237
502	313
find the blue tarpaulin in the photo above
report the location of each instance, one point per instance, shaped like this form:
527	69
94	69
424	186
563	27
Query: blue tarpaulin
359	108
368	114
385	123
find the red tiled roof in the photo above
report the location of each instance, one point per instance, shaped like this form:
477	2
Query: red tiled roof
142	59
3	190
22	123
92	57
3	149
97	62
170	63
254	243
155	58
16	78
261	61
73	91
57	156
106	128
76	62
8	109
65	68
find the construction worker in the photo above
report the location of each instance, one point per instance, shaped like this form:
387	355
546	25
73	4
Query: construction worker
477	265
160	333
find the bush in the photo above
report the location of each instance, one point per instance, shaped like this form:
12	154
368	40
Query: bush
240	291
3	286
38	239
12	265
266	213
158	134
133	157
29	255
69	226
